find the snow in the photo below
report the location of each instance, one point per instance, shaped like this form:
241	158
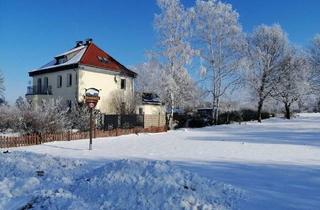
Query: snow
122	184
276	163
71	51
73	60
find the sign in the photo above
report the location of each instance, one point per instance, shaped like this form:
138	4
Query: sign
91	101
91	98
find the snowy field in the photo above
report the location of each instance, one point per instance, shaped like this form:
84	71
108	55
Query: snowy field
273	165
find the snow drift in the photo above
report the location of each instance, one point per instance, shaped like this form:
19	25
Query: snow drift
33	181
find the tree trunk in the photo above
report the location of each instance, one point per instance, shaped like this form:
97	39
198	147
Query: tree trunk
214	107
287	109
260	104
171	115
217	112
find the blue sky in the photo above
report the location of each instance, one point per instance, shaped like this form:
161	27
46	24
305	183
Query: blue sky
32	32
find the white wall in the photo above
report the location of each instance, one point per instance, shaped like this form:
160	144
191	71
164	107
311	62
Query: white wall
105	81
82	78
65	92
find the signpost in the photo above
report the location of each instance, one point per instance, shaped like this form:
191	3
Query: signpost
91	98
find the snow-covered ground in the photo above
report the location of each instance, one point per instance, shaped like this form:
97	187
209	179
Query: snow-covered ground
276	163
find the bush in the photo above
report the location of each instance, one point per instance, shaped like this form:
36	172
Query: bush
198	122
79	115
48	117
8	118
243	115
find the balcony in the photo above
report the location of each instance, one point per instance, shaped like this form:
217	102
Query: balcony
39	90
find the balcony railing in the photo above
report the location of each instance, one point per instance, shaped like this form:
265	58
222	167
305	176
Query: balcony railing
39	90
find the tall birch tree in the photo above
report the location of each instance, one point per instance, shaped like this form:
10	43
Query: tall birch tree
217	35
172	25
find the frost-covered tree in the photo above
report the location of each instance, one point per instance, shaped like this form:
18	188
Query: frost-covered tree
8	116
175	52
123	104
218	36
2	88
79	115
293	80
150	76
315	61
267	47
48	117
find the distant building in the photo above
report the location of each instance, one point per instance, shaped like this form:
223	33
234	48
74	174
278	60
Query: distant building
69	74
150	106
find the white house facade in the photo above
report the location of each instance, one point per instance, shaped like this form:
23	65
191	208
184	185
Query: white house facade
85	66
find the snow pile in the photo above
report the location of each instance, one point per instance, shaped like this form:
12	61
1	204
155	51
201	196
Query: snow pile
141	185
26	176
34	181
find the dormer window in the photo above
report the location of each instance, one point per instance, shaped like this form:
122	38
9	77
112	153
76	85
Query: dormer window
103	59
61	59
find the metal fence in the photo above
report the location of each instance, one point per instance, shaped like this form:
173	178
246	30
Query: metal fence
111	122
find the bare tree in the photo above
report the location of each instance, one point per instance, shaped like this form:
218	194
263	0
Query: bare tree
315	61
2	88
267	47
123	103
293	80
218	36
150	76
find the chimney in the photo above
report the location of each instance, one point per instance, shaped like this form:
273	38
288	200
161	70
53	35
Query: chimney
88	41
79	43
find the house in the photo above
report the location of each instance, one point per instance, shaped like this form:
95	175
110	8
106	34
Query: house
85	66
150	106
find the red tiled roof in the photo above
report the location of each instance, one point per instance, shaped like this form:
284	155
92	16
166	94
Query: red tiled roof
93	56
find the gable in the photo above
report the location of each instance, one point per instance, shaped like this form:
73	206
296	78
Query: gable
89	55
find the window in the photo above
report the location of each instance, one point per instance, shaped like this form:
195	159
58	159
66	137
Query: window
45	83
59	81
103	59
123	84
140	110
69	80
39	85
61	60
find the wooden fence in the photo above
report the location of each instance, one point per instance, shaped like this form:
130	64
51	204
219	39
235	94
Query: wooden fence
25	140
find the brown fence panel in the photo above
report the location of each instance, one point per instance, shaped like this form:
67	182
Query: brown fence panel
25	140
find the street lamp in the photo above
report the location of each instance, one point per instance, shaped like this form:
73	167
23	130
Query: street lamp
91	99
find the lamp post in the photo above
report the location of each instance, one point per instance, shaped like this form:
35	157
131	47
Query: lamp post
91	98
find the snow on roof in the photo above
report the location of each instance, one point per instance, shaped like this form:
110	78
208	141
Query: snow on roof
71	51
73	60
